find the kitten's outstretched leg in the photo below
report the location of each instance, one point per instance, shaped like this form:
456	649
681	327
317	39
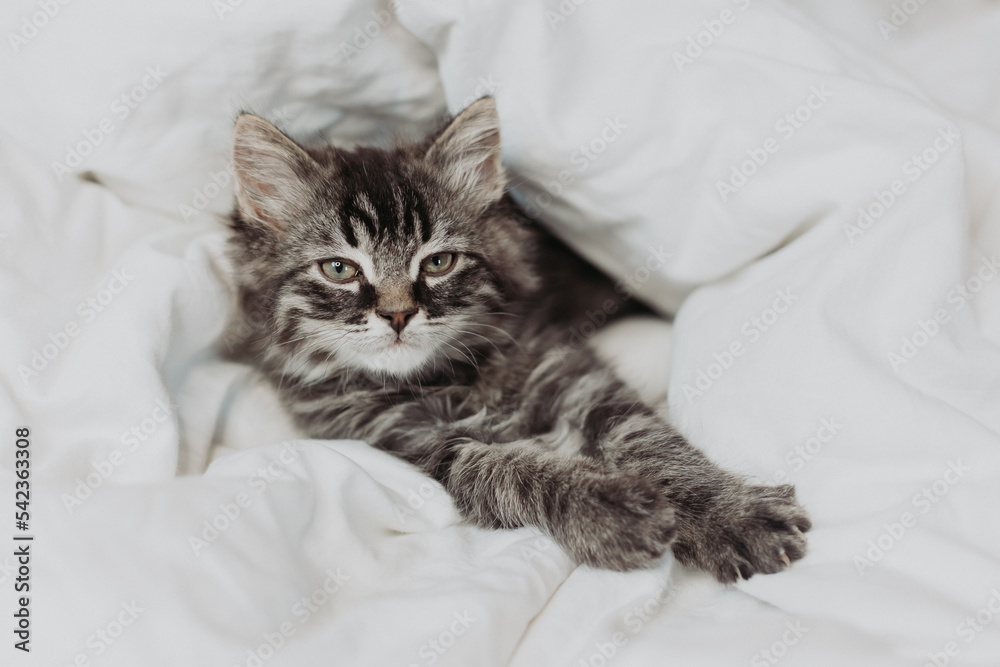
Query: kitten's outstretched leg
725	525
599	517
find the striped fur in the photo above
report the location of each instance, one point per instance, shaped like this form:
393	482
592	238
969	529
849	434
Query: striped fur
482	388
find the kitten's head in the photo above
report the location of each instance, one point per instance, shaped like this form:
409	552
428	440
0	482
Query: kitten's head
390	262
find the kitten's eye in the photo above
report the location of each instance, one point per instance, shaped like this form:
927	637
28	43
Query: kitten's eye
339	270
439	264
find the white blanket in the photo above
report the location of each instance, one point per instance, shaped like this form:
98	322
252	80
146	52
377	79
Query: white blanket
840	329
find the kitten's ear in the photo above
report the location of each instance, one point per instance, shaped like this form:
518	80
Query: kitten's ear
468	152
272	173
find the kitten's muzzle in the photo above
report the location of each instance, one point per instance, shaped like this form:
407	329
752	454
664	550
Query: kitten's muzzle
397	319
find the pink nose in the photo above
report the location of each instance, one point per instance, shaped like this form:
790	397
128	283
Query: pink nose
399	319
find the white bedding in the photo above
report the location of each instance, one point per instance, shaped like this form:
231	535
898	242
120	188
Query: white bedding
178	517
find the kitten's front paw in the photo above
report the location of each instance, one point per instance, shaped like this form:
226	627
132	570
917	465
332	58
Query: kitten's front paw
615	521
748	530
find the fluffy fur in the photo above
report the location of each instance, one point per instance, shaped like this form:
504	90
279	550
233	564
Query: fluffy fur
470	373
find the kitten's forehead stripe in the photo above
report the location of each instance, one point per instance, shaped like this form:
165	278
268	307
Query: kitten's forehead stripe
398	201
420	209
380	201
408	220
362	201
414	215
353	214
345	226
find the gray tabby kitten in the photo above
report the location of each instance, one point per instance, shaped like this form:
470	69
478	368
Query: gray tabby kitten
402	298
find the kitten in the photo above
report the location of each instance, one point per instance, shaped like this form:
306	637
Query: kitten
402	298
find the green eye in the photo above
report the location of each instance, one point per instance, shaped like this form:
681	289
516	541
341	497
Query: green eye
339	270
438	264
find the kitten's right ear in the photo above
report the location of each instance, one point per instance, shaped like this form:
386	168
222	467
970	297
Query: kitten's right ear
468	151
272	174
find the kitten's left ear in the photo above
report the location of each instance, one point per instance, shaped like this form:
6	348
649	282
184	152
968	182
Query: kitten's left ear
468	152
272	174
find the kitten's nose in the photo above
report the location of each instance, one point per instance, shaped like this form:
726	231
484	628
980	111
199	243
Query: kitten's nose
399	319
